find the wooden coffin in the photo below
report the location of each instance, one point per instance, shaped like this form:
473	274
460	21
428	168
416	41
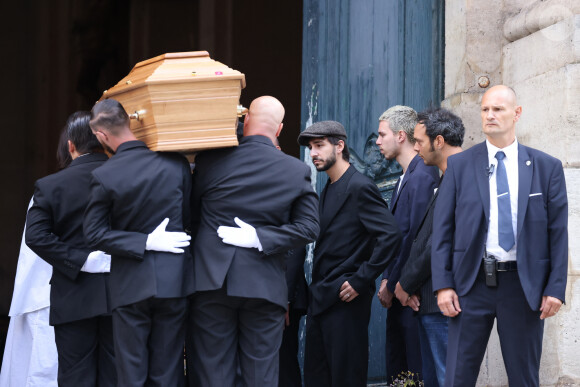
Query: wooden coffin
182	101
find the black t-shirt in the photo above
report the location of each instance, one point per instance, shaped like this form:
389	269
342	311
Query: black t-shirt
330	196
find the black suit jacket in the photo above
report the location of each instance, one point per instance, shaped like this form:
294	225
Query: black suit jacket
130	195
358	238
416	274
54	231
461	220
265	188
408	205
296	280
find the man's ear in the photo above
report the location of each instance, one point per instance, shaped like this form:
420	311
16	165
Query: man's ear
340	146
71	147
439	141
518	113
401	136
279	129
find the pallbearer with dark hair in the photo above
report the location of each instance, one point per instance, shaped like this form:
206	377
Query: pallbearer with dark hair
79	302
138	212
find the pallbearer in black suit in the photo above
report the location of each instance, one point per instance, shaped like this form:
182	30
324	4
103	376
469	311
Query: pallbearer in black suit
500	247
358	238
138	212
262	204
79	302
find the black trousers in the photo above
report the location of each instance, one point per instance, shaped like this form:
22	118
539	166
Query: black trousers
227	331
336	352
519	327
289	367
403	348
149	340
86	355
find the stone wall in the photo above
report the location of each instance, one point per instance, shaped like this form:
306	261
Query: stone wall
534	47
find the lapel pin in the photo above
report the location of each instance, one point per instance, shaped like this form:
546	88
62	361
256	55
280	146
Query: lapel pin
528	163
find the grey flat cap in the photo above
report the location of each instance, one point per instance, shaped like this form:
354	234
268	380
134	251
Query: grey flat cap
322	129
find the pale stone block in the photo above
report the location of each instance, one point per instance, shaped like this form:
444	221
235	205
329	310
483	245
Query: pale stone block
551	113
455	44
537	15
512	7
473	43
569	334
546	50
484	37
573	189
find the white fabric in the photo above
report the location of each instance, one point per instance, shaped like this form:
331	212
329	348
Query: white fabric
97	262
31	286
400	183
30	357
511	165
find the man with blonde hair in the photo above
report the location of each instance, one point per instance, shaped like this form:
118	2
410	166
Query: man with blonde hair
409	202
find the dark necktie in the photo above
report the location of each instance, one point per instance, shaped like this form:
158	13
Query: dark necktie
504	210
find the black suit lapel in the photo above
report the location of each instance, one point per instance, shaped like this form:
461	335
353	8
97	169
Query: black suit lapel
403	182
327	214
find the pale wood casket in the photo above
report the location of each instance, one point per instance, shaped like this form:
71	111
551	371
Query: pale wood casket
183	101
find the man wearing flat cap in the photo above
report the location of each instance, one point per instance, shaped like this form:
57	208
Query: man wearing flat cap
358	238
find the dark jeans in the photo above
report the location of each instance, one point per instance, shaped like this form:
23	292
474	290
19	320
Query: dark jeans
433	328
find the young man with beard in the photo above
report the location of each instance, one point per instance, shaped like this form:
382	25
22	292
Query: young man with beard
358	238
438	135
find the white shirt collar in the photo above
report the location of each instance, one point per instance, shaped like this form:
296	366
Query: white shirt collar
511	151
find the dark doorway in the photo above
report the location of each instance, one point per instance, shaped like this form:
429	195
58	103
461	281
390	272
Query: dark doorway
59	56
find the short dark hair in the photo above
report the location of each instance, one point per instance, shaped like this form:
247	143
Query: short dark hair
441	122
80	134
109	114
345	152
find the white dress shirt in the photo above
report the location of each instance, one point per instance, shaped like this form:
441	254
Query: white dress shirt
511	165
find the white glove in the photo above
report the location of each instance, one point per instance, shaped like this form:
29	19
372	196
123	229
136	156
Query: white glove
169	241
244	236
97	262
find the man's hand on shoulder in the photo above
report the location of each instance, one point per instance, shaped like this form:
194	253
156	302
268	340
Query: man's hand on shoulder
384	295
448	302
550	306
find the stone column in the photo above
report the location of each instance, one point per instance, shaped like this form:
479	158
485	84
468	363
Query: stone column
534	47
